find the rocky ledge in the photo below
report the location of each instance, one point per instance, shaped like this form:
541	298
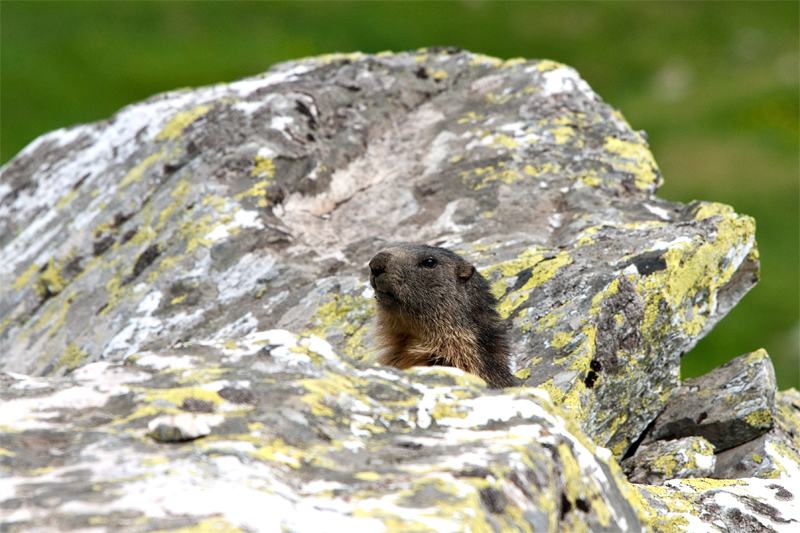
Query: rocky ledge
185	318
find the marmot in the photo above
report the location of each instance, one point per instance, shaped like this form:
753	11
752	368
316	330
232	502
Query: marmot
435	309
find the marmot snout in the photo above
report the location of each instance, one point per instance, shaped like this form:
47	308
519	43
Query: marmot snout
435	309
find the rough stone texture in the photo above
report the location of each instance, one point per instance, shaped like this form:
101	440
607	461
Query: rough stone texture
770	455
256	204
331	446
738	505
186	230
729	406
659	461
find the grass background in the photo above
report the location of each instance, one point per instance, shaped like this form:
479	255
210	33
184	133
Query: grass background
715	85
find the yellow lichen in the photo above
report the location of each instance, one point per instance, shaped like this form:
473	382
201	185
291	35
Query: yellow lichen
71	358
25	277
709	209
136	173
761	418
367	476
177	123
49	282
265	168
546	65
525	373
541	270
176	395
636	159
331	386
561	339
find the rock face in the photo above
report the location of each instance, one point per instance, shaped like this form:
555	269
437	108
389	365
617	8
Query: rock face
194	270
654	463
729	406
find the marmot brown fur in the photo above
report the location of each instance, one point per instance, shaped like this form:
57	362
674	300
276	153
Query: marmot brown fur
435	309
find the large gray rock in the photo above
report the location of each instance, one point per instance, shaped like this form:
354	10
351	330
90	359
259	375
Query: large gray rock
214	212
329	446
180	234
729	406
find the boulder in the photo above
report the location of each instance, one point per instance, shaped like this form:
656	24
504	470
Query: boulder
329	446
690	457
773	454
729	406
185	314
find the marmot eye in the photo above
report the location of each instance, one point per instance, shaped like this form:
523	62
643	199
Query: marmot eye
428	263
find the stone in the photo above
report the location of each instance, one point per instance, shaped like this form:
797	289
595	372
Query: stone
654	463
204	251
713	505
729	406
771	455
330	446
255	205
183	427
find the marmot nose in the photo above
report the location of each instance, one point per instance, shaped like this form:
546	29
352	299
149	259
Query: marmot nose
378	264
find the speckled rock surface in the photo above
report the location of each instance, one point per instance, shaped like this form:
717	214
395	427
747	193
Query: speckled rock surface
213	212
182	230
712	506
771	455
315	444
729	406
654	463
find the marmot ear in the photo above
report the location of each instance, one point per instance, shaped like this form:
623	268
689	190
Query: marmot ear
465	272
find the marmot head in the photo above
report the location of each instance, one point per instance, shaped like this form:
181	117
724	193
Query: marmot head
422	282
435	309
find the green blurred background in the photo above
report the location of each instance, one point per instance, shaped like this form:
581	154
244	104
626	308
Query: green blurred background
715	85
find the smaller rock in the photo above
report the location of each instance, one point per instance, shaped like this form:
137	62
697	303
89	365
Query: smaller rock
235	395
751	459
183	427
729	406
655	463
193	405
774	455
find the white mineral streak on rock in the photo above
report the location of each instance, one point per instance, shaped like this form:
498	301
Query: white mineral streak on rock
519	132
427	403
788	467
165	362
139	329
200	267
737	497
372	176
446	224
103	375
248	108
241	327
249	85
251	271
185	320
26	382
185	426
705	464
564	80
29	243
241	219
660	212
439	151
33	413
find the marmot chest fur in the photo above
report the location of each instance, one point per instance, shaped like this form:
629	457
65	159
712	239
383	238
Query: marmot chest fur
433	308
